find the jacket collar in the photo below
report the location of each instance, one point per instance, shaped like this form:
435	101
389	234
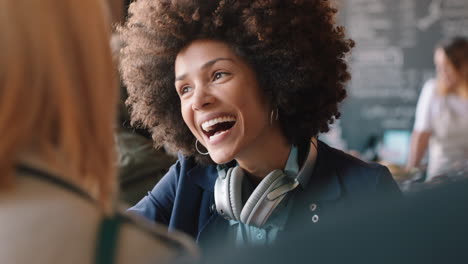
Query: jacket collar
307	169
204	176
324	183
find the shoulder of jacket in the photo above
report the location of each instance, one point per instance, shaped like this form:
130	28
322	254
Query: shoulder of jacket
186	162
349	166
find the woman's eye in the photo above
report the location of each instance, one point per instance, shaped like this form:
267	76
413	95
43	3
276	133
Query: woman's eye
185	90
219	75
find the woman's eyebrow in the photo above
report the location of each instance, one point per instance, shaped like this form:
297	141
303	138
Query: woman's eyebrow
204	66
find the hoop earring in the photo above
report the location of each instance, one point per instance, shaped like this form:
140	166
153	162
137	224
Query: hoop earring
275	113
202	153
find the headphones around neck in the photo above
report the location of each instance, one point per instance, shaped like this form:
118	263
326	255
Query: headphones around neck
261	203
264	199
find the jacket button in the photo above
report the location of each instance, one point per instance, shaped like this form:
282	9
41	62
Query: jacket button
212	208
315	219
313	207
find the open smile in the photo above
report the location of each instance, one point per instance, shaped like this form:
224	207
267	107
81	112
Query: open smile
216	127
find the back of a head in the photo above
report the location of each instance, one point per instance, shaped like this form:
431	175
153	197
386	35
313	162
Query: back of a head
58	89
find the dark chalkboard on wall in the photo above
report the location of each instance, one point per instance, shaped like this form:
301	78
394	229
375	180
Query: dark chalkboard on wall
393	57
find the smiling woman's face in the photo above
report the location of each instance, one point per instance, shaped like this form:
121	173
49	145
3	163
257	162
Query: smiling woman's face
446	72
221	101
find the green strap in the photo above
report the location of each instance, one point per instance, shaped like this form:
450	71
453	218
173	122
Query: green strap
107	239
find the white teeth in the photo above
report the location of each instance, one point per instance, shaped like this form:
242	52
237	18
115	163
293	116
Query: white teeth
218	133
208	125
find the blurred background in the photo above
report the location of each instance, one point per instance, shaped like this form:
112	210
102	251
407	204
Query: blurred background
395	41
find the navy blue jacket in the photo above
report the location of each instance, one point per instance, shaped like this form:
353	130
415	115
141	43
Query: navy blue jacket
184	198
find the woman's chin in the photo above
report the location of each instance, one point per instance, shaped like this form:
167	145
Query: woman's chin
221	157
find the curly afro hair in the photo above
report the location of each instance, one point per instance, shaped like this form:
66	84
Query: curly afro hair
294	47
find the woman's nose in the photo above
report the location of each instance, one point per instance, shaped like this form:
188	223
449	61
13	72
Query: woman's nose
202	99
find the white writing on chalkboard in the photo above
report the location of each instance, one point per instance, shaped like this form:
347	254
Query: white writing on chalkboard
393	57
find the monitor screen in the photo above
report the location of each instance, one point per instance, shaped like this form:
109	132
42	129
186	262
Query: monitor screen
395	146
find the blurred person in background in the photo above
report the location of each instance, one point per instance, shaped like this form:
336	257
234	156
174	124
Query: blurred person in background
58	108
140	165
242	89
441	122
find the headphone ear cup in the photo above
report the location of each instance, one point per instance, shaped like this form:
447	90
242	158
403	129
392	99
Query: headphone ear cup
259	194
235	191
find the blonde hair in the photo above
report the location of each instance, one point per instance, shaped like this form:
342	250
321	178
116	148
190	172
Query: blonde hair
58	89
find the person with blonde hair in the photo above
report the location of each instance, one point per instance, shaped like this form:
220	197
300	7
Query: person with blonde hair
58	106
441	122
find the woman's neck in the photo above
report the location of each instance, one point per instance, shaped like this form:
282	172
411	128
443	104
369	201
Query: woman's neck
270	152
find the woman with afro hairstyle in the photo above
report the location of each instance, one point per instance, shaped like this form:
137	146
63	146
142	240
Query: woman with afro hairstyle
242	89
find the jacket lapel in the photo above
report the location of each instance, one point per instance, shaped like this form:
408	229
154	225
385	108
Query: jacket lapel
324	183
204	178
323	189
